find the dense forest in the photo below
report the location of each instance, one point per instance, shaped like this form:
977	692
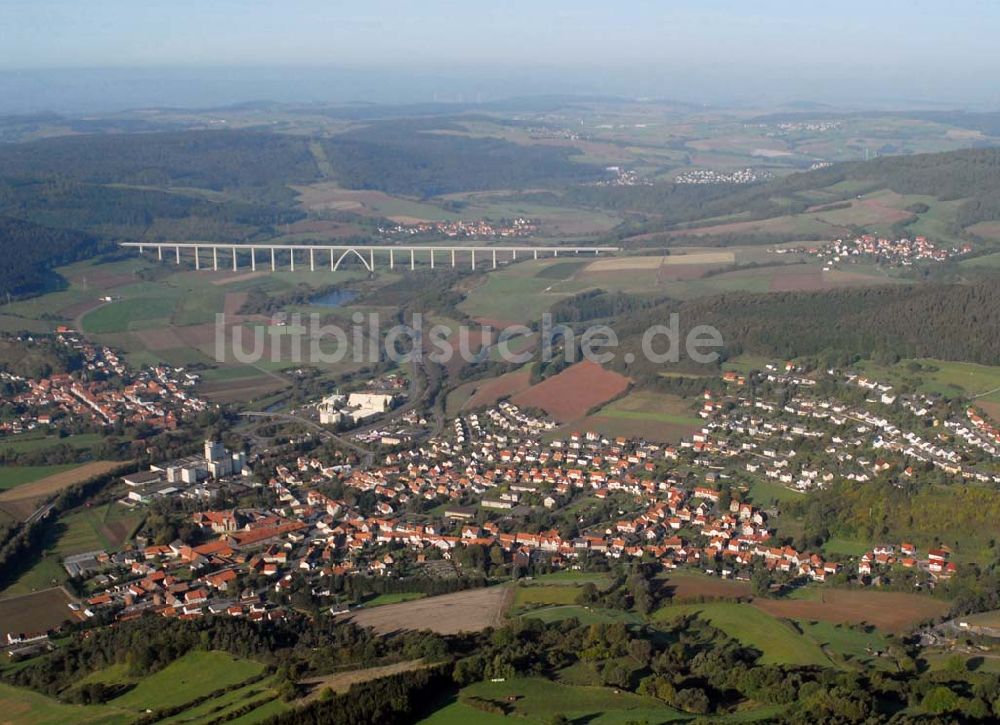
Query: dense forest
945	321
424	158
242	161
30	250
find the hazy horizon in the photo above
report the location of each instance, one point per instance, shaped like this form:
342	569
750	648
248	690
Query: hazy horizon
113	55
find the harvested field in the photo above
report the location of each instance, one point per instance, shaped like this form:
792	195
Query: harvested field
700	258
324	227
573	392
989	230
888	611
620	263
162	338
79	309
991	409
22	501
488	392
342	681
682	586
468	611
38	612
242	389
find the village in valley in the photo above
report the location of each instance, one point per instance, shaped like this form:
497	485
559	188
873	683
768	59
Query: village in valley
504	492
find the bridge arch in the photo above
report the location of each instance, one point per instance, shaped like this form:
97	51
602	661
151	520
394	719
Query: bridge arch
357	254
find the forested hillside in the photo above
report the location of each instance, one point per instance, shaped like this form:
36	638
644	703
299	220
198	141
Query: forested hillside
424	158
243	161
949	322
127	212
30	250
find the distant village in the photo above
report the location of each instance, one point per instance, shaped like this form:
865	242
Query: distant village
709	176
478	229
903	252
104	392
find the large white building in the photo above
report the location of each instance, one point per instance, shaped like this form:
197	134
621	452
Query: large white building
355	407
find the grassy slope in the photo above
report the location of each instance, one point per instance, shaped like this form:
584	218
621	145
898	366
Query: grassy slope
779	642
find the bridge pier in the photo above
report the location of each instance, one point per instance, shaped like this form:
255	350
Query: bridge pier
371	260
253	259
331	259
392	261
215	259
272	259
159	252
236	265
291	258
177	254
312	261
432	258
494	259
413	262
453	258
473	250
536	254
197	262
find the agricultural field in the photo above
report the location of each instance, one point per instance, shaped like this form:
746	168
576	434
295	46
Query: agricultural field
585	614
14	476
38	612
465	611
846	645
893	612
26	707
343	681
484	393
779	642
570	577
39	440
684	586
22	499
541	595
192	676
641	414
570	394
537	700
394	598
85	529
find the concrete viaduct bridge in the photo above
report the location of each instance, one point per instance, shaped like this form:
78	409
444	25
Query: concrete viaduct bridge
208	255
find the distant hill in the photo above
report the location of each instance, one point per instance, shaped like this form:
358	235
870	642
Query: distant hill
969	174
430	157
246	162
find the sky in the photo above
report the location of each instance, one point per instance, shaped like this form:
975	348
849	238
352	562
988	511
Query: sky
406	50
